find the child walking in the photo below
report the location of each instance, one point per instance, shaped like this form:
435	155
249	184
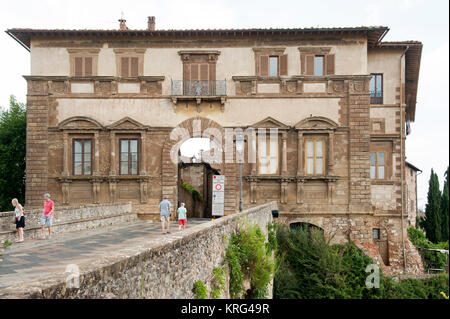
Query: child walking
182	211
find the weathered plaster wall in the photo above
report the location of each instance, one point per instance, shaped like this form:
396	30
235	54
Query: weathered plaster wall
161	112
386	62
153	270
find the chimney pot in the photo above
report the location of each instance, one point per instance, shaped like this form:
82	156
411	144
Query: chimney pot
151	23
122	25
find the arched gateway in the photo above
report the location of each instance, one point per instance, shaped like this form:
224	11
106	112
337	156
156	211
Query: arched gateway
193	127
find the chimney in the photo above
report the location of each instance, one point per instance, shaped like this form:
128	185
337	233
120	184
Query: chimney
122	25
151	23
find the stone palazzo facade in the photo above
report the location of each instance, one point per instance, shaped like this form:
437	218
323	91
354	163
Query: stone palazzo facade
102	104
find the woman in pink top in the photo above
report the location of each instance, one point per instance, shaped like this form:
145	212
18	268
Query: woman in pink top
47	216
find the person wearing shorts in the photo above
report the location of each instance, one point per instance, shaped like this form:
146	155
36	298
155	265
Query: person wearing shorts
47	216
20	218
182	211
164	209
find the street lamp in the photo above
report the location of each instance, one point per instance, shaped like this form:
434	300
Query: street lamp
239	152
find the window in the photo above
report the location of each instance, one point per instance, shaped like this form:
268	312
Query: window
271	62
376	89
129	66
273	66
317	61
82	157
128	164
268	155
377	165
83	61
315	156
319	65
83	66
376	234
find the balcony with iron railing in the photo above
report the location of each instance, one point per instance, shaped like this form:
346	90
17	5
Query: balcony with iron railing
199	91
376	97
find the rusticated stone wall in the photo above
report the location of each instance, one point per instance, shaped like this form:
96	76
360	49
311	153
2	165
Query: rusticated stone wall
166	268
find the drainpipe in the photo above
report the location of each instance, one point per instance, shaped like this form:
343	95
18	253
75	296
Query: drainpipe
402	160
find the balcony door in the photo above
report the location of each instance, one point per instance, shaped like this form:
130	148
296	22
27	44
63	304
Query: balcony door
199	77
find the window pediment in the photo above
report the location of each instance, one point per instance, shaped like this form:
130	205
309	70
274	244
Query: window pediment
316	123
127	123
80	122
270	122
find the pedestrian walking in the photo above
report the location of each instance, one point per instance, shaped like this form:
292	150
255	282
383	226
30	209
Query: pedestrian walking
47	216
20	219
182	212
164	209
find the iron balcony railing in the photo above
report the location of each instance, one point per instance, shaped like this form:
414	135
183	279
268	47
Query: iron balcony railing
199	88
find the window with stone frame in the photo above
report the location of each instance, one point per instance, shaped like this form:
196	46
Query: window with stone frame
199	72
128	156
82	156
317	61
380	160
268	154
271	62
129	62
83	62
315	163
129	67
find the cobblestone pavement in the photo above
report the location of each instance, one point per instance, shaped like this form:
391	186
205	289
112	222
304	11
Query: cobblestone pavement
34	259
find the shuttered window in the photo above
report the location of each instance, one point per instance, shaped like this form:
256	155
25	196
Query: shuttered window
268	156
83	66
315	156
273	65
318	65
129	66
82	156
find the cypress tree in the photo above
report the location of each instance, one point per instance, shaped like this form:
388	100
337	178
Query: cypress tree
432	210
445	209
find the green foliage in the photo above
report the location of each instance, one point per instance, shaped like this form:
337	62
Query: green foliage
249	260
433	210
200	290
196	196
272	244
218	283
423	288
13	125
309	267
445	208
432	259
7	243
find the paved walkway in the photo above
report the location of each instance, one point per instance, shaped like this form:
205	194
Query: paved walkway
37	259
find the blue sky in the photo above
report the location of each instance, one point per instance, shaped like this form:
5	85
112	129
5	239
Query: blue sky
423	20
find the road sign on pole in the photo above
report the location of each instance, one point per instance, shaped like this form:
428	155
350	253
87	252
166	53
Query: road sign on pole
218	195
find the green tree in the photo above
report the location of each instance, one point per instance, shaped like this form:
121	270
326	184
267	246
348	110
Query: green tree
13	125
445	208
433	210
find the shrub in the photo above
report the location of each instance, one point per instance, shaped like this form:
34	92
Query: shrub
200	290
249	259
218	283
308	266
431	259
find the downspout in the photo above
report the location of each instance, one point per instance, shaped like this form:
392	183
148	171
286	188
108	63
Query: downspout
402	159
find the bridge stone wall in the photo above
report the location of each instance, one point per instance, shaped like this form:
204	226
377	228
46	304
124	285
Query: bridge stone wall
165	269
